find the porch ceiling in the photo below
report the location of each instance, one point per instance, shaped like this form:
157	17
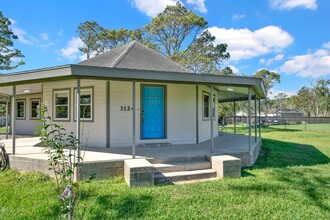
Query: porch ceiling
21	89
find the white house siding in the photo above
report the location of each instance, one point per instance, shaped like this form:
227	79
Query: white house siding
180	117
180	113
204	125
93	134
27	125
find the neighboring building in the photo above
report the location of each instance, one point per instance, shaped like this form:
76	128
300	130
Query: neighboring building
169	103
289	113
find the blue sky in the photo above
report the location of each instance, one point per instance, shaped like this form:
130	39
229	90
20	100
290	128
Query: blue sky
291	37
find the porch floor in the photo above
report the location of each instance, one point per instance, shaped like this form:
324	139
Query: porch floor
225	143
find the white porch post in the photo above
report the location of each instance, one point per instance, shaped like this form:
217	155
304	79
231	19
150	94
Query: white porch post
211	120
249	112
234	117
255	119
7	118
133	121
78	128
259	118
13	120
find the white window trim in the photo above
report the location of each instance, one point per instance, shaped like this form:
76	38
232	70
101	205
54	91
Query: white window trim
34	100
24	109
84	89
203	105
54	104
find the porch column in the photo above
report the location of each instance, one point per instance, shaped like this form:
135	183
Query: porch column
234	117
249	112
78	125
7	118
133	120
259	118
13	120
255	119
211	119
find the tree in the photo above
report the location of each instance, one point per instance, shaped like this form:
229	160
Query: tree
203	56
270	79
322	92
89	32
174	28
181	35
227	71
8	55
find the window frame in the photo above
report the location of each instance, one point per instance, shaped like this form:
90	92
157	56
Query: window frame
31	100
205	118
204	93
17	117
88	88
68	91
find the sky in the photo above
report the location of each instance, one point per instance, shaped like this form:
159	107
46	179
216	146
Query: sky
290	37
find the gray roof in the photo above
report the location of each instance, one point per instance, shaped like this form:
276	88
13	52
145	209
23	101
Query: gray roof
135	56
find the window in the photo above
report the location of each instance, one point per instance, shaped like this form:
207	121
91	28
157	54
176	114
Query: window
20	109
35	106
206	106
86	104
61	105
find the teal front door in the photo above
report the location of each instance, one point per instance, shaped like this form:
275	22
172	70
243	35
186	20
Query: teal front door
153	112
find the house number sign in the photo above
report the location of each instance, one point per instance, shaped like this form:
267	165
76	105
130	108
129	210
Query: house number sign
124	108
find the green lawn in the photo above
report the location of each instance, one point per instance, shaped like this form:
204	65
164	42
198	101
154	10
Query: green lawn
291	180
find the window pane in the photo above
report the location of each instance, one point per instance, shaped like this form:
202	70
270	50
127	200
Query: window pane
61	98
20	109
85	99
35	109
206	105
61	112
85	111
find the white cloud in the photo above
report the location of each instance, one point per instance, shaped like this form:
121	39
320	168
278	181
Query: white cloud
313	65
199	5
326	45
272	93
23	36
290	4
46	45
71	51
246	44
263	60
237	17
278	57
44	36
234	69
12	21
152	7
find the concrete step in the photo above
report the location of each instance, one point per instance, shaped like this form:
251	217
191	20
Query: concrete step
173	177
195	181
181	166
177	159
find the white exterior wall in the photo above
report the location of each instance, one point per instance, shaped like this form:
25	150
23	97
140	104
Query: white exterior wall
180	119
93	134
204	125
27	125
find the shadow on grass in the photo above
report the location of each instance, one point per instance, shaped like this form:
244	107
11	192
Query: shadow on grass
278	154
120	207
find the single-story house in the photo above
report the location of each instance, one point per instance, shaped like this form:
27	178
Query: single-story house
131	95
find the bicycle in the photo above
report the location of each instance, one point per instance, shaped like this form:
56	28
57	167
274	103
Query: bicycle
4	159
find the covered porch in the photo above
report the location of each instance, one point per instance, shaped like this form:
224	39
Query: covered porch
107	162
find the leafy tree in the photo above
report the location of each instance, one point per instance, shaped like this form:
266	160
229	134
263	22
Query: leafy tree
270	79
304	101
8	55
227	71
89	32
322	92
174	28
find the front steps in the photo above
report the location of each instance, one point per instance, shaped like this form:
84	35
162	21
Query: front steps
182	170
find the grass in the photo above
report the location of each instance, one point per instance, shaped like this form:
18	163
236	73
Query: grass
290	180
